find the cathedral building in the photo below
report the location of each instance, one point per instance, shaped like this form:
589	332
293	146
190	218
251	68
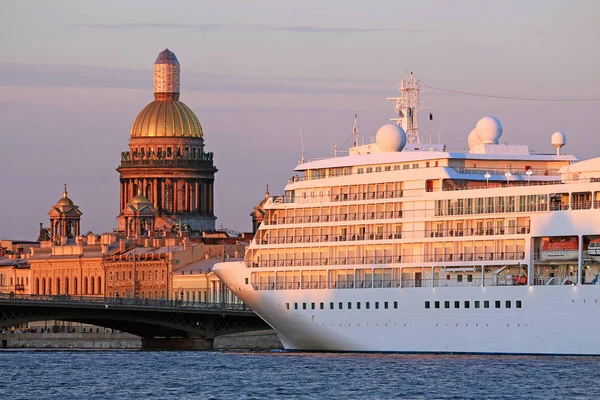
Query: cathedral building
166	162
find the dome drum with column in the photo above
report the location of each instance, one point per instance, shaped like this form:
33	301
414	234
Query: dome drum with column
166	158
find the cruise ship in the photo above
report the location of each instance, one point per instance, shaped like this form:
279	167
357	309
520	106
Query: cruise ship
403	246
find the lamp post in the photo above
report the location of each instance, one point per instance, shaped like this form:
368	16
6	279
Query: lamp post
529	173
508	175
487	179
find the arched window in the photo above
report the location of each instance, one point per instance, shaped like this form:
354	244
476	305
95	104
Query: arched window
43	286
37	286
99	284
67	286
92	285
50	286
75	286
57	285
85	286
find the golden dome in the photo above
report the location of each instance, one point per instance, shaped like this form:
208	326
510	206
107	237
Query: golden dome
166	118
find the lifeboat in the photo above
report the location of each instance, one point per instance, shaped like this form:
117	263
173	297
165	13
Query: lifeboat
594	249
560	249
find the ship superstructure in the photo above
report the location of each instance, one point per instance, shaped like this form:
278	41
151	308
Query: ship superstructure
418	249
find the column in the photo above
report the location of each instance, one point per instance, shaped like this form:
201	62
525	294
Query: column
211	199
580	260
196	196
175	186
155	192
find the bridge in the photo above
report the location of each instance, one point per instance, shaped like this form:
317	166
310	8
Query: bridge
162	324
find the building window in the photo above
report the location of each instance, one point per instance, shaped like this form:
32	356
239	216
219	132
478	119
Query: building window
458	278
427	304
518	303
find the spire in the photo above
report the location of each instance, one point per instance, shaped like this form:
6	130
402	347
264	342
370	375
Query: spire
65	192
267	195
166	76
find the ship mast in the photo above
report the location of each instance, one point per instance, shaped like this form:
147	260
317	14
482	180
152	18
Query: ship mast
355	132
408	106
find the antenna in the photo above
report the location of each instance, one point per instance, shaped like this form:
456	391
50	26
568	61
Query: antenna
355	131
408	106
300	129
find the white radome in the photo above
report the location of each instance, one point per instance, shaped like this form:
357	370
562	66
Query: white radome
559	139
489	130
473	139
391	138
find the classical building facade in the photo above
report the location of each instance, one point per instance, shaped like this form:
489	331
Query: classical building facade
166	160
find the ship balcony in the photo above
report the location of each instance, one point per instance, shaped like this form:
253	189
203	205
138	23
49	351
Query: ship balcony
442	259
265	239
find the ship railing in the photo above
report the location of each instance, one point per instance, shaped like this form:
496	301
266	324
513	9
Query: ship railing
263	239
390	260
380	283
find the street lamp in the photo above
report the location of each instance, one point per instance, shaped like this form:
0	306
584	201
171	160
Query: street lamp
508	175
529	173
487	179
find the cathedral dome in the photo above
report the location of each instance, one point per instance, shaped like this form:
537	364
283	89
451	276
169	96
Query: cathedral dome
166	118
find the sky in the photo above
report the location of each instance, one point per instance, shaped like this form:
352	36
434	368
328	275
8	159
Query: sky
74	75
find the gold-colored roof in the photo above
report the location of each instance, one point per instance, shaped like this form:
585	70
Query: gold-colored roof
166	118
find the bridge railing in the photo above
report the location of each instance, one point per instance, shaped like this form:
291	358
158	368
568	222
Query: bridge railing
126	301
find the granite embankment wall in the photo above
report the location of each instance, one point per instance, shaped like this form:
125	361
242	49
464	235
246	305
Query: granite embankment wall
259	340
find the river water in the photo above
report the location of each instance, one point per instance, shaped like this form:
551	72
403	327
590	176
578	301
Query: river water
51	374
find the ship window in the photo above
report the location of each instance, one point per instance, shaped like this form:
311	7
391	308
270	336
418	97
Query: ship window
518	303
497	303
246	281
349	305
367	305
395	304
415	165
507	303
287	306
476	303
312	306
377	169
467	304
446	304
396	167
358	305
369	170
427	304
469	278
437	304
359	171
340	305
457	304
459	278
322	306
331	305
405	166
304	306
377	305
388	168
385	305
295	306
427	164
486	304
437	163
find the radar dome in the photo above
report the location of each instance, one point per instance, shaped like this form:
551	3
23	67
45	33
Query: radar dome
559	139
489	130
391	137
473	139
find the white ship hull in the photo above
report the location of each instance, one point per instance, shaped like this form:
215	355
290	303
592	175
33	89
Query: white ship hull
552	319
